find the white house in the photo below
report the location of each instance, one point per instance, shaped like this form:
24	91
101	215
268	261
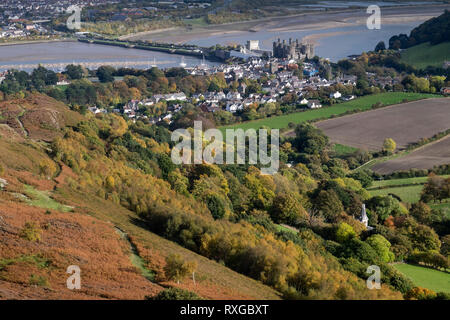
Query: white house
335	95
304	101
314	104
234	106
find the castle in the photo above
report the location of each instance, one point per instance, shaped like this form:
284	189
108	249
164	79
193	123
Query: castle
292	50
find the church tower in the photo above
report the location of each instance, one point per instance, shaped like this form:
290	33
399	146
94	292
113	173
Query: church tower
364	219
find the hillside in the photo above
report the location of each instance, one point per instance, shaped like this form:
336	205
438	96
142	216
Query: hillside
78	228
425	54
96	197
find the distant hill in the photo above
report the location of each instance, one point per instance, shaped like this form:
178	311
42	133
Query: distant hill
434	31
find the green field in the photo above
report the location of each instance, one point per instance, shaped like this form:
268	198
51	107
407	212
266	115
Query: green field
342	150
362	104
410	194
424	55
435	280
408	189
401	182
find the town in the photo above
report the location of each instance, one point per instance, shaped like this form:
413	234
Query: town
284	76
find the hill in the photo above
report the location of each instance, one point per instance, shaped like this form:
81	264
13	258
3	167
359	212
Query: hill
77	228
425	54
104	196
435	280
435	31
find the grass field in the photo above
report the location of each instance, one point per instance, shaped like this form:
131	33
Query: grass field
401	182
408	189
362	104
435	280
424	55
342	150
410	194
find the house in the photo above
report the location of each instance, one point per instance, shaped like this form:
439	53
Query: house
233	96
234	106
335	95
304	101
314	104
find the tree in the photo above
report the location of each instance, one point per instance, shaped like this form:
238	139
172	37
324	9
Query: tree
344	232
328	204
105	74
421	211
382	247
216	206
389	145
364	177
310	139
380	46
47	168
384	206
435	189
424	238
74	72
177	269
287	209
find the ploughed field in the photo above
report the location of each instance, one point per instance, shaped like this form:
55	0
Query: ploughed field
405	123
426	157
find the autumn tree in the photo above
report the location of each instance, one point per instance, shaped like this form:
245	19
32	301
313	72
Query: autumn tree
435	189
47	168
287	208
389	145
177	269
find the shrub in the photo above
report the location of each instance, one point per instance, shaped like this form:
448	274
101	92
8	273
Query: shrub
420	293
38	281
31	232
175	294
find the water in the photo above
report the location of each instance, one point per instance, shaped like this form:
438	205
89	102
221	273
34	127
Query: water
343	41
347	4
54	55
335	47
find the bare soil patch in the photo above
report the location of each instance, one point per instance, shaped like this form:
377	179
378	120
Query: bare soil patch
405	123
427	157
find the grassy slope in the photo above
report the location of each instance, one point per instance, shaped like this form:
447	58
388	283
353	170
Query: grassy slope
410	194
362	104
400	182
407	189
424	55
435	280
